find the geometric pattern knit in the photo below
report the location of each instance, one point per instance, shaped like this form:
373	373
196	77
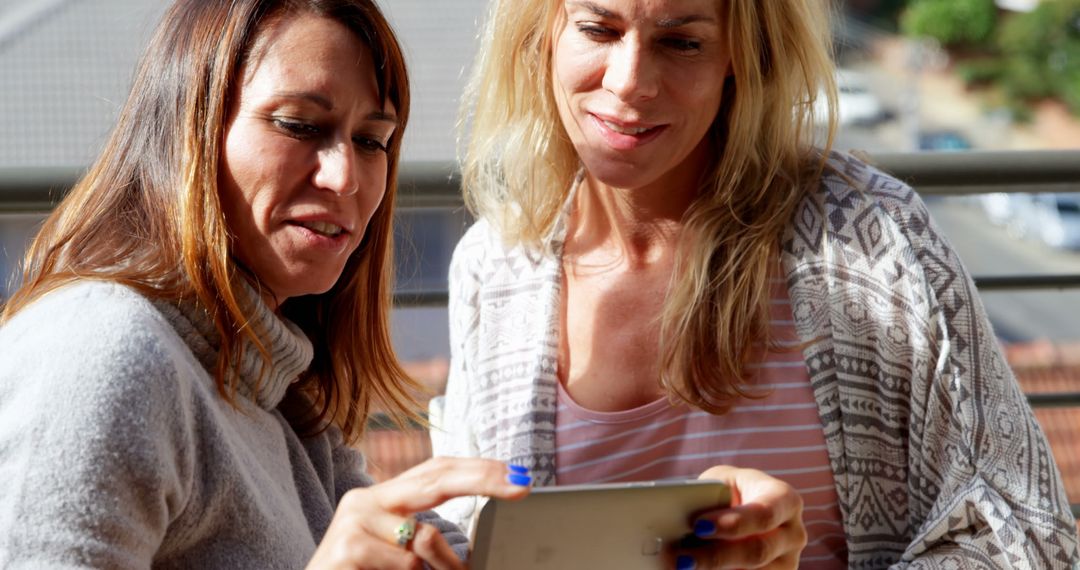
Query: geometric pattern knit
938	461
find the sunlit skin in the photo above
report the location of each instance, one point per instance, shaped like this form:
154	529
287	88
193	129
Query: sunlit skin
304	160
638	84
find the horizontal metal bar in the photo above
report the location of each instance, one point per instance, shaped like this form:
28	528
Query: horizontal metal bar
1054	400
1022	282
33	189
429	185
436	184
983	283
421	298
980	172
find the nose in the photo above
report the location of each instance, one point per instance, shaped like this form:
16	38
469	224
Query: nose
631	73
337	169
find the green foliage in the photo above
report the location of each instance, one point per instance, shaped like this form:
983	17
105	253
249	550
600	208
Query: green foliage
981	72
1026	80
953	23
1041	53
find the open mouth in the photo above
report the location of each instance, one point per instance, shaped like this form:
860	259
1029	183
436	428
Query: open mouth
622	130
323	228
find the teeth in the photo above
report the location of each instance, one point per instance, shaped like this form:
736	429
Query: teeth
324	228
624	130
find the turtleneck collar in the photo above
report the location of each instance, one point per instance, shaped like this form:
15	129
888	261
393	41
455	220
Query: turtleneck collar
290	350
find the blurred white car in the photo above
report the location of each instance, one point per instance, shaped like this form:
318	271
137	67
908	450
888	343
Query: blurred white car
1058	219
857	104
998	207
1053	219
1017	213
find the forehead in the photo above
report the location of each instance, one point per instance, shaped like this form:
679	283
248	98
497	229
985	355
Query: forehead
302	43
661	10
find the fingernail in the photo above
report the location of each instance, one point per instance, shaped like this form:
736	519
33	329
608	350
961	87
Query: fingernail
684	562
704	528
519	469
517	479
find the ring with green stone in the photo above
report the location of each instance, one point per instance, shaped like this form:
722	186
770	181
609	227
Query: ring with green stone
405	531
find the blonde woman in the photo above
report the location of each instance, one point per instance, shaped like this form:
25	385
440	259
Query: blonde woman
203	325
670	278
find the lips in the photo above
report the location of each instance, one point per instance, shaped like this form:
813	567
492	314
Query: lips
624	135
625	130
323	228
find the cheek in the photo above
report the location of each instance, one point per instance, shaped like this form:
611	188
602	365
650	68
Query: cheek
703	93
234	203
575	71
373	192
241	170
576	67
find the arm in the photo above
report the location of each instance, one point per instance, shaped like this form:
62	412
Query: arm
92	468
451	428
982	485
1002	502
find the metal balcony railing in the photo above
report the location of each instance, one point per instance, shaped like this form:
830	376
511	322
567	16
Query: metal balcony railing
435	185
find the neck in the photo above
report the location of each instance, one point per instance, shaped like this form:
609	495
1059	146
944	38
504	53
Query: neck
640	225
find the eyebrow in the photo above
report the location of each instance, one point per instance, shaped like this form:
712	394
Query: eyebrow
668	23
665	23
382	116
328	105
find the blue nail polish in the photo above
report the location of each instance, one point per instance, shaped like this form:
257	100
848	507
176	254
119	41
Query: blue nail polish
684	563
704	528
516	479
519	469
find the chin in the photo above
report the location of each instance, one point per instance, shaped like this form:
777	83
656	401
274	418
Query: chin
618	175
309	288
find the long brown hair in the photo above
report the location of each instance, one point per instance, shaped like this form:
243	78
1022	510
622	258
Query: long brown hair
147	213
519	165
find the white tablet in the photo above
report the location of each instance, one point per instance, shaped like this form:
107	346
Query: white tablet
622	525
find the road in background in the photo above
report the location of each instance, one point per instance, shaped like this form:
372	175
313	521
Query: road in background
932	100
985	249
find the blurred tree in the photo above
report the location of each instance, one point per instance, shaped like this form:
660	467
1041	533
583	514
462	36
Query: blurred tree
1041	53
953	23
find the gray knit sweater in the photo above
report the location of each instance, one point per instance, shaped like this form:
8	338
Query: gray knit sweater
116	450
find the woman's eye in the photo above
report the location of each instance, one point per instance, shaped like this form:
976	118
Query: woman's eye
296	129
596	32
682	44
369	145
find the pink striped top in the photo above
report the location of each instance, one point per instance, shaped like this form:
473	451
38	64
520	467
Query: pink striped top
780	434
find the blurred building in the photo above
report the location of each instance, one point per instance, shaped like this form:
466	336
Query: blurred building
67	67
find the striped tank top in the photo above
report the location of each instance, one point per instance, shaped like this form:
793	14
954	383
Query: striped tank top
779	434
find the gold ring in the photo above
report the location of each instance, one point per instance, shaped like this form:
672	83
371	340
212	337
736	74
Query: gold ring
405	531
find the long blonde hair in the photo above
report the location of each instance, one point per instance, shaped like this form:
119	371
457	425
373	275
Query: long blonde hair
518	166
147	213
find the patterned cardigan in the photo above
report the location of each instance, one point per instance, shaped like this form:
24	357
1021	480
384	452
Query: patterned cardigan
937	458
